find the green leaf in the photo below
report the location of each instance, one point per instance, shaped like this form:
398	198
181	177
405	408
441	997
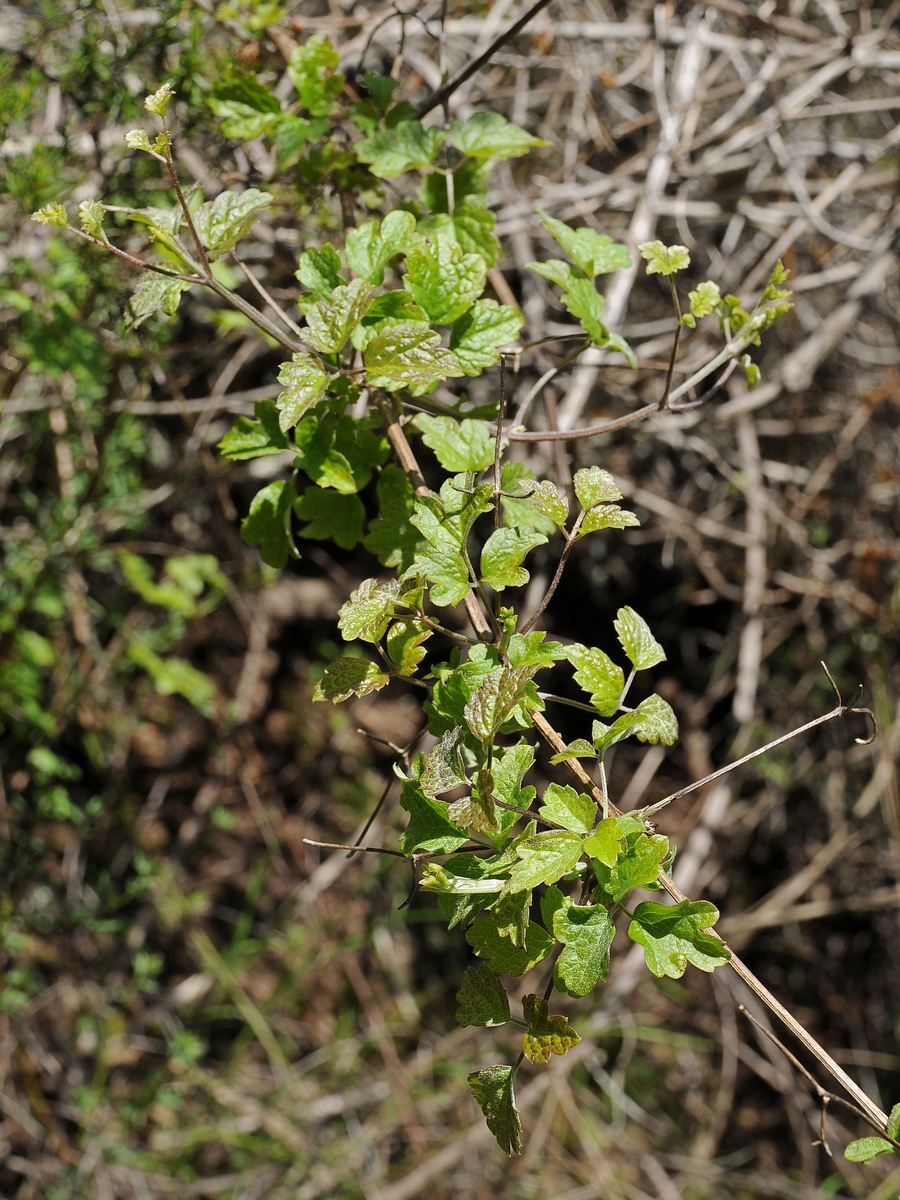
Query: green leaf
330	322
656	721
497	697
638	863
495	1095
586	932
429	828
221	223
516	482
159	101
91	214
51	214
509	767
154	293
607	841
544	858
893	1124
488	135
863	1150
569	809
173	676
339	452
268	524
586	304
405	644
349	677
249	438
482	999
598	675
305	383
368	612
511	913
672	937
473	225
290	134
705	299
607	516
444	768
240	121
546	1035
393	151
392	538
331	516
637	641
372	245
550	502
502	956
408	354
478	335
596	253
442	280
664	260
445	570
579	748
531	650
503	553
311	69
320	271
458	445
595	486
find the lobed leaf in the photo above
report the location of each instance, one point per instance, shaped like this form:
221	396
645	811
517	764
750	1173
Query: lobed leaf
544	858
330	322
305	383
478	335
392	538
501	955
331	516
569	809
154	293
662	259
546	1035
481	998
503	554
268	524
408	354
248	438
673	936
495	1095
221	223
489	135
598	675
595	486
429	827
443	280
642	648
391	152
458	445
349	677
595	253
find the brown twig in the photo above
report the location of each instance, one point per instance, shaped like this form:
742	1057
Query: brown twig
443	93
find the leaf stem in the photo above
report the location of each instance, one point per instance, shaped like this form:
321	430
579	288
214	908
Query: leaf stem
571	539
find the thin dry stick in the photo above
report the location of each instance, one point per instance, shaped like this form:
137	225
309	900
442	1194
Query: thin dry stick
407	459
443	94
872	1111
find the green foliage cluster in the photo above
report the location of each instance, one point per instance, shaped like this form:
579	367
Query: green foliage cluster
386	317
